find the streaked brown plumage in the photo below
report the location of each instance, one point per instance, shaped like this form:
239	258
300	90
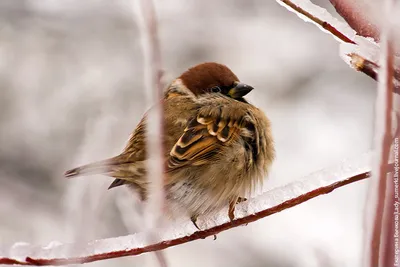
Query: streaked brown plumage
218	147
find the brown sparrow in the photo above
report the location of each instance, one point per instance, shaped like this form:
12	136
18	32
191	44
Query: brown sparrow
217	146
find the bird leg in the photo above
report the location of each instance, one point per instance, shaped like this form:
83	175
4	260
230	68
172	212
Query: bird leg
232	204
194	220
231	210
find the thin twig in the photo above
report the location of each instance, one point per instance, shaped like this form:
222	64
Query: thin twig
322	23
154	88
359	20
371	69
360	63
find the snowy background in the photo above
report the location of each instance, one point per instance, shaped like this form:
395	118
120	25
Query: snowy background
71	91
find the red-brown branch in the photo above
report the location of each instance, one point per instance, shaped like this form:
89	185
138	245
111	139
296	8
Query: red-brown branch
371	69
383	217
8	261
324	24
360	24
197	235
356	14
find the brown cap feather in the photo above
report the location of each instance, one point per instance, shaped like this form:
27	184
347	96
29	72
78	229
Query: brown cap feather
199	79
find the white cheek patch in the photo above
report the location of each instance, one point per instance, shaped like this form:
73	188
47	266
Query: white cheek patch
179	86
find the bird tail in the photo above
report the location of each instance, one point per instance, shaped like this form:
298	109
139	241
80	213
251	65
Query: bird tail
122	167
107	167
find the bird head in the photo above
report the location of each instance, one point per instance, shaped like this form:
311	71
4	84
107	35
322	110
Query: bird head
211	77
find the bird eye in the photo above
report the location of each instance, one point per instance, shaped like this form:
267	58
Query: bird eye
216	89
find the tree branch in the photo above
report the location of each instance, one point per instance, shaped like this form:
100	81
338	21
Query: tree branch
371	69
155	123
356	14
383	136
271	202
386	141
154	89
306	9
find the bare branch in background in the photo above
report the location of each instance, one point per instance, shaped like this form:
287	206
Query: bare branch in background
356	14
377	224
147	21
154	89
273	201
387	75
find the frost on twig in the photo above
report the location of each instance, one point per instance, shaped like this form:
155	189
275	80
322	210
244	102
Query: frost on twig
361	53
365	58
310	12
273	201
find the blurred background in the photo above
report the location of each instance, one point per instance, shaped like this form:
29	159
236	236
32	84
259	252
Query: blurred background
71	91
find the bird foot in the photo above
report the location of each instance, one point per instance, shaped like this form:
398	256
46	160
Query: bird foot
232	204
241	199
194	221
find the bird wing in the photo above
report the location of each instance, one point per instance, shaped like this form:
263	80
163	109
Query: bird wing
136	144
206	134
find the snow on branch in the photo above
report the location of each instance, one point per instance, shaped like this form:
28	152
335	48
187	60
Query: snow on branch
355	58
273	201
361	53
310	12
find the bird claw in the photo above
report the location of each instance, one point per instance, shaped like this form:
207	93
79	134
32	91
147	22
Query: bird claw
194	220
231	212
241	199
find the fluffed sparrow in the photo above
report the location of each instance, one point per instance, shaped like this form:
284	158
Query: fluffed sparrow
218	147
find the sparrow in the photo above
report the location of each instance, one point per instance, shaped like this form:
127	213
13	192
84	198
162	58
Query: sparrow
217	146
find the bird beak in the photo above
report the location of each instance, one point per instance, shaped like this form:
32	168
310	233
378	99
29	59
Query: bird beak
240	90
